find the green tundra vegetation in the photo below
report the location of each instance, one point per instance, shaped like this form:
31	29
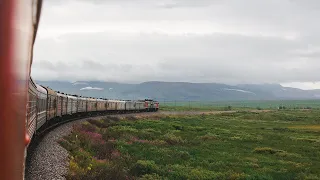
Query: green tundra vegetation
204	108
281	144
239	105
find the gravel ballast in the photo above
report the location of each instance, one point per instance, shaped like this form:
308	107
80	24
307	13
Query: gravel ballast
49	160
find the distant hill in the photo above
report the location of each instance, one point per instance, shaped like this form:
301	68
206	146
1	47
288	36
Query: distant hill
182	91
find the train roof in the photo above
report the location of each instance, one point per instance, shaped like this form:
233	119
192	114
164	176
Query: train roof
62	95
139	101
91	99
112	100
32	82
50	91
41	89
71	97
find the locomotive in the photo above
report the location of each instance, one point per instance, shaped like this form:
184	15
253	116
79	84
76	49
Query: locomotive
46	106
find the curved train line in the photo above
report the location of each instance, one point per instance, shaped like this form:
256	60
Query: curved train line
47	109
46	106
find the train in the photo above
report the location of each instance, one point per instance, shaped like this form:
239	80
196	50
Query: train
46	106
26	107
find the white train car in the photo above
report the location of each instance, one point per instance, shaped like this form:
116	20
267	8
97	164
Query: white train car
140	105
82	104
62	104
72	105
130	105
91	104
121	105
111	105
101	105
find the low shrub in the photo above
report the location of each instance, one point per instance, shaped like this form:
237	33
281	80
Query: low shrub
173	139
184	155
98	123
177	127
104	151
142	167
152	176
89	126
209	136
67	145
203	174
158	142
196	128
228	108
124	129
131	118
266	150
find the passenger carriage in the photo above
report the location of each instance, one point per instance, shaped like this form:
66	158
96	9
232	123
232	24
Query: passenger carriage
41	106
112	105
101	105
72	105
82	104
121	105
140	106
31	120
62	104
51	103
91	104
130	105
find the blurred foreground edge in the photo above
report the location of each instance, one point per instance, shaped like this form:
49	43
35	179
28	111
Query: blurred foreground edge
18	24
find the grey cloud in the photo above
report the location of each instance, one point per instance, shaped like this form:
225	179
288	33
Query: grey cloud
200	41
91	88
218	57
79	83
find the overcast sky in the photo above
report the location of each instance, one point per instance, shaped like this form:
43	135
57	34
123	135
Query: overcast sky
249	41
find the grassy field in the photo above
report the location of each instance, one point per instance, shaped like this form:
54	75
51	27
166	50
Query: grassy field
242	145
203	108
290	104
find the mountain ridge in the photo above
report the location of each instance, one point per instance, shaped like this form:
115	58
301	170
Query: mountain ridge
182	91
